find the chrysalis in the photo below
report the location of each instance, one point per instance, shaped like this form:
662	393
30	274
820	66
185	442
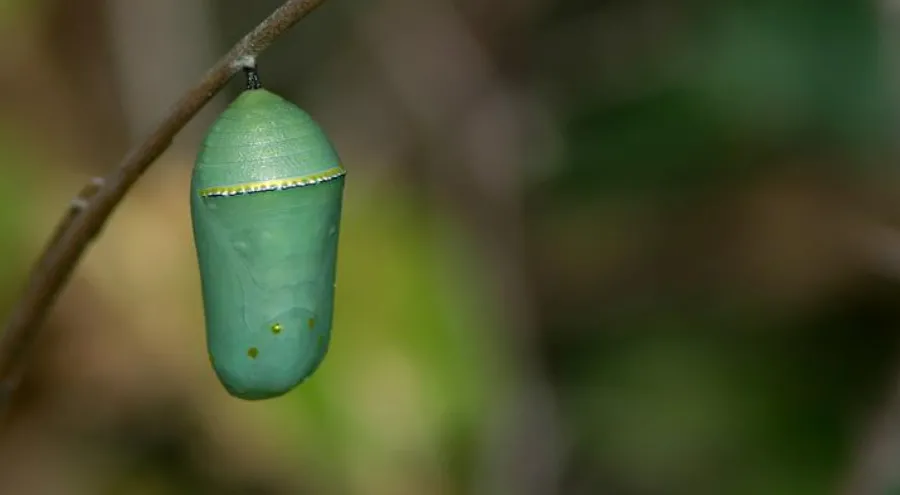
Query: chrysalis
266	197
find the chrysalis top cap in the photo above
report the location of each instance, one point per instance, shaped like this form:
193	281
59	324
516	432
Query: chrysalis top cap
262	137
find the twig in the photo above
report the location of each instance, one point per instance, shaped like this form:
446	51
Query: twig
89	210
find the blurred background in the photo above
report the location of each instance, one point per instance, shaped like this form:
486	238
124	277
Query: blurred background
588	247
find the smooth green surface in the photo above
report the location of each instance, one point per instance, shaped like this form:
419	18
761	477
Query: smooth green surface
266	258
259	137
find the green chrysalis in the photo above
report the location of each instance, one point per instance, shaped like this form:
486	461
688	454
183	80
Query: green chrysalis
266	197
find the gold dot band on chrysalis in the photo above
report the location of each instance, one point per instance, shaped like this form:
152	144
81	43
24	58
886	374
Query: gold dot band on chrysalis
273	185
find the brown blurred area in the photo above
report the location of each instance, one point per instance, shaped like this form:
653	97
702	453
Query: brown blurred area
633	248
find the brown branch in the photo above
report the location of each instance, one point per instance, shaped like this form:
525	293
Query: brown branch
89	210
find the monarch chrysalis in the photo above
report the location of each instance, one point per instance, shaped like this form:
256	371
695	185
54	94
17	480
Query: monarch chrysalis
266	196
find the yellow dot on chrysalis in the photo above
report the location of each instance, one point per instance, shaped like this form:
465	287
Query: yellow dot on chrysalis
311	323
253	352
276	328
